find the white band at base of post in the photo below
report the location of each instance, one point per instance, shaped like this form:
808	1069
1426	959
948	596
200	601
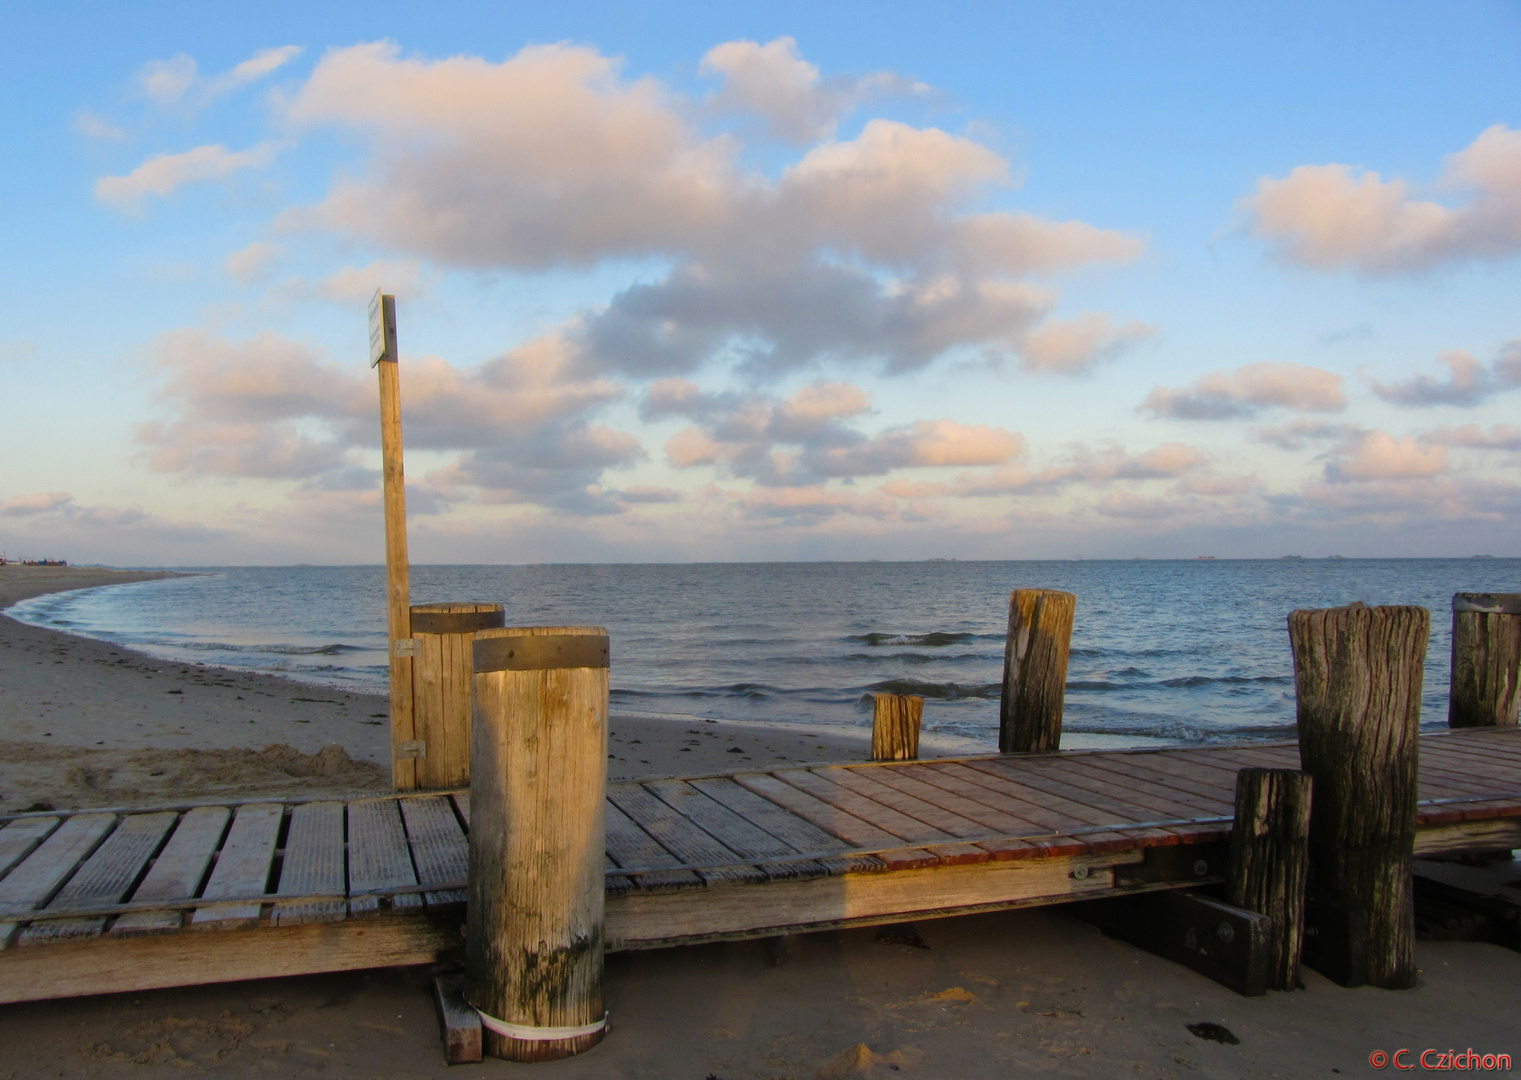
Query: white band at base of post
525	1033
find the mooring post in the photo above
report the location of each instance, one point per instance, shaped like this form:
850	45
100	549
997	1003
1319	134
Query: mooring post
1270	860
442	672
895	727
1035	670
1358	673
1486	660
400	647
538	781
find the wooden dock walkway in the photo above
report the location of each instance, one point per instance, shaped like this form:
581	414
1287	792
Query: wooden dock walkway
105	901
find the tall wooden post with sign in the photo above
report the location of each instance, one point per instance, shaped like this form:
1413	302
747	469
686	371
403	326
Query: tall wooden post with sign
398	608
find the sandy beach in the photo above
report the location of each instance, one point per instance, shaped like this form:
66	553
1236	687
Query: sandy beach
86	723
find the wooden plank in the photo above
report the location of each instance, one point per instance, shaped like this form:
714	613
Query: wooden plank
461	800
794	831
1057	813
639	920
242	868
840	823
1108	810
398	603
1154	801
34	881
439	848
116	965
631	846
679	836
818	784
313	864
1227	944
930	814
985	817
178	871
1201	796
378	856
19	838
458	1023
746	840
104	878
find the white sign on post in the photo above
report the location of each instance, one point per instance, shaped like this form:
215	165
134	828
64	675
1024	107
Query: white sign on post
377	329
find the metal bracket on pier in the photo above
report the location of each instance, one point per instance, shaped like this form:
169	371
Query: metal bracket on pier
406	646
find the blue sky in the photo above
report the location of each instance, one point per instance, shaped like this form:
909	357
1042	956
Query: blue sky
762	281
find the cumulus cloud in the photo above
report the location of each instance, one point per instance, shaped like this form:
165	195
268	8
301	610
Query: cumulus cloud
1468	382
1377	455
40	503
806	437
1336	217
253	263
1297	434
354	285
774	84
869	249
1080	344
273	408
163	174
177	82
1474	437
1246	391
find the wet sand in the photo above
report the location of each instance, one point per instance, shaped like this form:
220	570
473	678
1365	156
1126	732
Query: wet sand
1002	995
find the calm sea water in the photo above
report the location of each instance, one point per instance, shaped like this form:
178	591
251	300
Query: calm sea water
1182	651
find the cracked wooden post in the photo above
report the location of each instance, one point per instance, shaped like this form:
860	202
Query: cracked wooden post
400	646
1270	860
895	727
1035	670
442	672
1486	660
538	784
1358	673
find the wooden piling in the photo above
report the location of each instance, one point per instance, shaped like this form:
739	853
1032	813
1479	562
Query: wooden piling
895	727
1270	861
534	944
1486	660
1035	670
442	672
393	481
1358	673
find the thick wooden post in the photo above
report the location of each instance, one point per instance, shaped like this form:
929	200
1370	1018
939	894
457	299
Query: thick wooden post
1270	860
1035	670
538	782
1358	673
895	727
398	616
441	676
1486	660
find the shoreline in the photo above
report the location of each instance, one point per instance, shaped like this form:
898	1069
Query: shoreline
88	723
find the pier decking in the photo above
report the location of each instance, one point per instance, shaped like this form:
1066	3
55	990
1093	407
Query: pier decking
105	901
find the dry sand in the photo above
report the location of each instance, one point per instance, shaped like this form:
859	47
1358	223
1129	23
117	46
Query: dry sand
1032	992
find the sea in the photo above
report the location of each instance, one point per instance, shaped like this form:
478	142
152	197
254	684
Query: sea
1179	652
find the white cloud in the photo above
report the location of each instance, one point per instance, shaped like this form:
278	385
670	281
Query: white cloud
356	284
867	250
177	81
93	126
1334	217
1377	455
163	174
1474	437
1245	391
773	83
253	263
1468	382
1080	344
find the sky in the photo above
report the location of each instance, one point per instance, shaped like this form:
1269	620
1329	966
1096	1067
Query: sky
770	281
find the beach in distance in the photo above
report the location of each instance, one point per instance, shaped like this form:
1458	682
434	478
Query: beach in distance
169	686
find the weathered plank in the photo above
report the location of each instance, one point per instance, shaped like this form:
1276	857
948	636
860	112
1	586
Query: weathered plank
242	868
439	849
104	878
34	881
378	856
314	864
691	845
19	838
177	873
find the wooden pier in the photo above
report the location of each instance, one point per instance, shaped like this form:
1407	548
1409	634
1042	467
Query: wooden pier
99	901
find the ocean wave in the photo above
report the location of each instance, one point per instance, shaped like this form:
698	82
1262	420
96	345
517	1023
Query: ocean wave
1223	680
935	639
336	649
936	691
